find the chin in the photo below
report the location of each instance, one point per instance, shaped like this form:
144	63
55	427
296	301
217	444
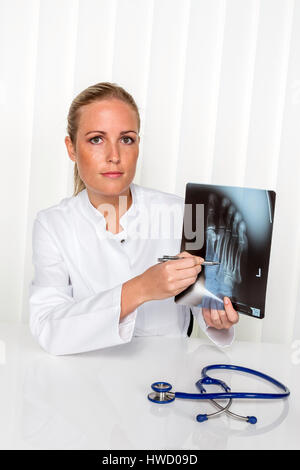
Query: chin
110	187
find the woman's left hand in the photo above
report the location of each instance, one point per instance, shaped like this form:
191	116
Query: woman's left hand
221	319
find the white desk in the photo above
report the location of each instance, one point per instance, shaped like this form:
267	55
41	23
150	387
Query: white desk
98	400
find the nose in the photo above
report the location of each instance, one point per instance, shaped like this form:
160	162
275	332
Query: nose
113	154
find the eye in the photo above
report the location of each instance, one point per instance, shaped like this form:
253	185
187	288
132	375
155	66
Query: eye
128	140
95	140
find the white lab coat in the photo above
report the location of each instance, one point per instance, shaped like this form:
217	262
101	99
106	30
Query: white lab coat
75	295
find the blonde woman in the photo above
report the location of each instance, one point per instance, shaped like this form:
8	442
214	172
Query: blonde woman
97	281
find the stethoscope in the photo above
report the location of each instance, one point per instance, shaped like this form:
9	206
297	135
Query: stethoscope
162	392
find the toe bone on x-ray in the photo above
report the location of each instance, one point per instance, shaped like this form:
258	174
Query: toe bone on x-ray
226	240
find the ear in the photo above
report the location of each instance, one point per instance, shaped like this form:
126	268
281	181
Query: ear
70	148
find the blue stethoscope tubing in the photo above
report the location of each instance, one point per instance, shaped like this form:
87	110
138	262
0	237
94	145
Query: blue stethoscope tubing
164	394
228	394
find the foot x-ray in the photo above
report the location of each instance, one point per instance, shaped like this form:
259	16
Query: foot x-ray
231	226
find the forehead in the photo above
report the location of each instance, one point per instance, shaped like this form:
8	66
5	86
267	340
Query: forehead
105	115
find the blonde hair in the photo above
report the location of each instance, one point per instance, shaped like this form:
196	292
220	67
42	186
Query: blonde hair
98	92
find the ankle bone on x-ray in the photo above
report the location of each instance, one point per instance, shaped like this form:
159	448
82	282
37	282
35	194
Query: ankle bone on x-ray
226	241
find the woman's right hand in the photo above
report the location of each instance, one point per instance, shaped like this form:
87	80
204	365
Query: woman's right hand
169	278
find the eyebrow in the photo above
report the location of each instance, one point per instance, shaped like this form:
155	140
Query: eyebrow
102	132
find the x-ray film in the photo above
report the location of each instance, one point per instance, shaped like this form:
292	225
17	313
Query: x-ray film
231	225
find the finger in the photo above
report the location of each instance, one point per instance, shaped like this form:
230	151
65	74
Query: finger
185	254
186	263
189	272
224	319
207	316
215	318
180	274
232	314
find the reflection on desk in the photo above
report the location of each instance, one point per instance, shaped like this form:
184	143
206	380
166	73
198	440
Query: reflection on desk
98	400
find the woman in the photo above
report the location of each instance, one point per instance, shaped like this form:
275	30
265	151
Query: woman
97	281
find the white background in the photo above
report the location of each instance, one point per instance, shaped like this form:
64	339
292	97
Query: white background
218	87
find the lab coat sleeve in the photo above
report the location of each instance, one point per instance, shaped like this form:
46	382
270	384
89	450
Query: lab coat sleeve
60	324
221	338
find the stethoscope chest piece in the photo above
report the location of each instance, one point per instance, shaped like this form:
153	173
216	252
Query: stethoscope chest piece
161	393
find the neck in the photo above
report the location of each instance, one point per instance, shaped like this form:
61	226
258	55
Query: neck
120	203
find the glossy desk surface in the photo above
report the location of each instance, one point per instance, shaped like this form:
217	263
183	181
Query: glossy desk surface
98	400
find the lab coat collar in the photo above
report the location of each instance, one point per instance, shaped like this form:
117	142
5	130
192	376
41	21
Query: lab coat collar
96	217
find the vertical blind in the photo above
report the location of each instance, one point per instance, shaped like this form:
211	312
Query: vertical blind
217	83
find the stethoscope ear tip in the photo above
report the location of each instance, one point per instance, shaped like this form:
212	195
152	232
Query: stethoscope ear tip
201	418
251	419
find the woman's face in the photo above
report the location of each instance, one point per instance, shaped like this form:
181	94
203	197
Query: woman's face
107	140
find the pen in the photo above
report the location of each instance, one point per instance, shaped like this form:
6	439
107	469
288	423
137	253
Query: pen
205	263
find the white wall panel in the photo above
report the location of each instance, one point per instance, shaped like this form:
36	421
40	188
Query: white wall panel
283	306
235	85
163	96
94	42
18	44
272	50
201	89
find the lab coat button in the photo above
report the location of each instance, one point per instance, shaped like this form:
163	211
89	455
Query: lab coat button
122	241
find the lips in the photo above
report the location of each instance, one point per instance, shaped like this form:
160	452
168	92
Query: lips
112	174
